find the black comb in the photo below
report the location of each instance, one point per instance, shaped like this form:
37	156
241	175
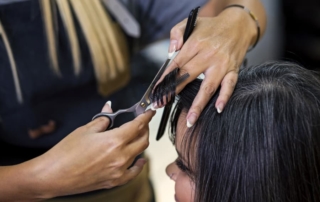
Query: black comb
191	23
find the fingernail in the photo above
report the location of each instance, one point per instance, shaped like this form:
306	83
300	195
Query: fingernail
172	48
220	108
154	106
109	103
191	120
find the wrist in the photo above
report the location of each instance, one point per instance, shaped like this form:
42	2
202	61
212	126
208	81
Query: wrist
37	179
210	9
17	183
245	23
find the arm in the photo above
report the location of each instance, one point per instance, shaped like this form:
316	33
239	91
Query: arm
87	159
217	48
215	7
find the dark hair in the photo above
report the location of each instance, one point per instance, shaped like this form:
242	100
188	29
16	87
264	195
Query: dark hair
265	145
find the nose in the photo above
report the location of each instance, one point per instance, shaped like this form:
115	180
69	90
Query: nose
172	171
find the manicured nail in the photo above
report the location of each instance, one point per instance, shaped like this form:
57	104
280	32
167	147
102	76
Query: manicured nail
191	120
109	103
172	48
189	125
220	108
154	106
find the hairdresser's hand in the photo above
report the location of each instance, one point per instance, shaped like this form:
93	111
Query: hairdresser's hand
217	48
91	158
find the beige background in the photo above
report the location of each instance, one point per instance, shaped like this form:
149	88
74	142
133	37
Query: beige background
161	153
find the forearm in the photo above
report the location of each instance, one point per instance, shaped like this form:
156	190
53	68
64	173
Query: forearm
19	183
215	7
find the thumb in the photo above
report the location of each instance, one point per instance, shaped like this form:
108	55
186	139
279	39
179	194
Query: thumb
107	107
176	37
100	124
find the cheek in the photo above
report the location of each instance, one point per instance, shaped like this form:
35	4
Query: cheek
184	188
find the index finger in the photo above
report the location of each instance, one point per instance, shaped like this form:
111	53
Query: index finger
187	53
131	130
176	36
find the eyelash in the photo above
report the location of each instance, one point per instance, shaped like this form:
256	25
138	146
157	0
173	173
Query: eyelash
182	167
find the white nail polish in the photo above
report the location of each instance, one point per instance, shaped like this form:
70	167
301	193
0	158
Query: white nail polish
219	110
172	53
189	125
152	108
109	103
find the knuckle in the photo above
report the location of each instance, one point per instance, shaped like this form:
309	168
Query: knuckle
209	89
103	120
139	124
112	144
145	144
197	44
224	60
176	62
117	175
196	109
121	161
231	83
225	96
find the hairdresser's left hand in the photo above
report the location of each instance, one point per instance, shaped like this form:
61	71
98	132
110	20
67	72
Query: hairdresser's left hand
217	48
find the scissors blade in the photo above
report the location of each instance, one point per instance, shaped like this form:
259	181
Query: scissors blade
145	100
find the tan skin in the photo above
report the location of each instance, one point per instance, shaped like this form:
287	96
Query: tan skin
217	48
89	158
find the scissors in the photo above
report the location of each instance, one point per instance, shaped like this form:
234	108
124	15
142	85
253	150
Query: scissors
141	106
191	23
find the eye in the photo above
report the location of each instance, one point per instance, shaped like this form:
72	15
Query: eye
182	167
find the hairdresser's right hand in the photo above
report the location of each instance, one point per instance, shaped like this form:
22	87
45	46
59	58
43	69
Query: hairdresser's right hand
91	158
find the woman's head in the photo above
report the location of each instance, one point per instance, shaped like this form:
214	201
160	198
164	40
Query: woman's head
263	147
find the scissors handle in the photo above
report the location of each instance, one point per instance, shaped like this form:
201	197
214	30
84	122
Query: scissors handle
112	116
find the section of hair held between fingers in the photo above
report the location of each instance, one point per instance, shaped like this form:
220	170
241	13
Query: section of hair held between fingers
165	91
